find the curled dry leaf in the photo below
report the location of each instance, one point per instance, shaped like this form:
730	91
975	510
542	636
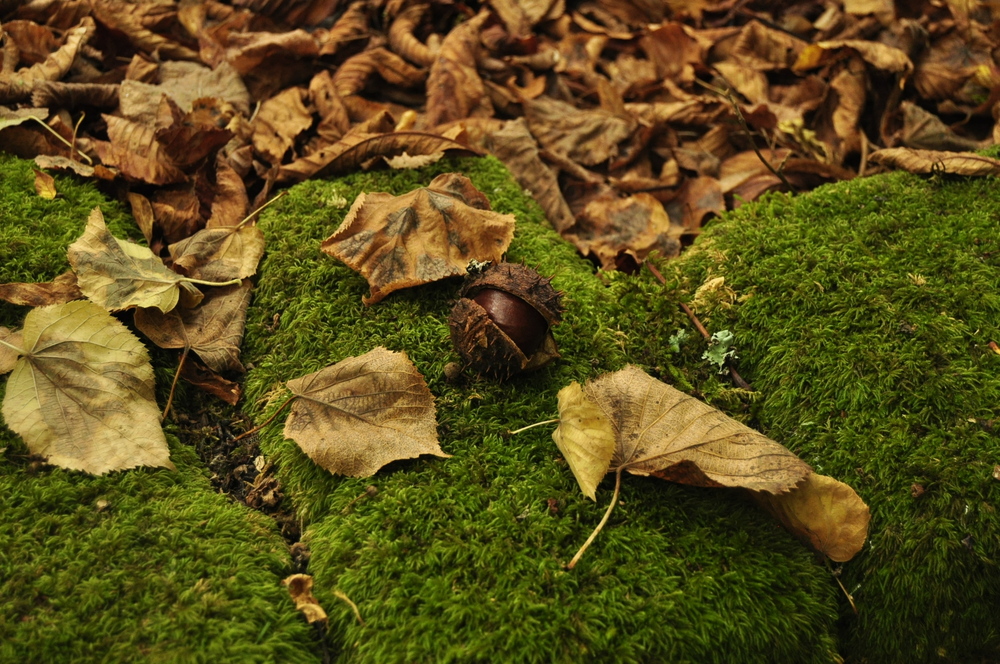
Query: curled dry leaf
933	161
300	588
660	431
9	340
214	329
17	86
454	89
279	122
610	227
60	290
824	512
81	395
585	136
355	416
429	234
118	274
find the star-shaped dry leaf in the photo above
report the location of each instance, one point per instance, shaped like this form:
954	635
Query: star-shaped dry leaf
429	234
355	416
118	274
214	329
628	420
81	394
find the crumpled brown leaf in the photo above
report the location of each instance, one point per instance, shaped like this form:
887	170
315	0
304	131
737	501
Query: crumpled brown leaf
610	227
356	416
588	137
454	89
214	329
81	395
300	588
17	86
429	234
118	274
660	431
934	161
220	254
58	291
279	122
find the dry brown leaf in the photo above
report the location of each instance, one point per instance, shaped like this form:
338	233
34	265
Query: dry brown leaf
588	137
697	199
675	52
279	122
350	29
429	234
60	290
300	588
356	72
230	203
57	163
520	16
134	150
131	19
81	395
56	94
11	340
516	148
454	89
880	56
45	184
334	121
207	380
933	161
925	131
142	212
402	40
13	117
356	416
118	274
610	227
17	86
220	254
660	431
214	329
825	513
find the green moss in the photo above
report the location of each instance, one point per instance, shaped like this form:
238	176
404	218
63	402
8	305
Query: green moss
868	308
144	565
462	558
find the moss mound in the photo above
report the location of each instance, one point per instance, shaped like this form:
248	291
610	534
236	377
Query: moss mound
865	320
462	559
144	565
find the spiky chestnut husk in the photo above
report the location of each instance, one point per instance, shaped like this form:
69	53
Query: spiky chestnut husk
502	323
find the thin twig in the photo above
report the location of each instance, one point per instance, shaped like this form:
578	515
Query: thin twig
354	607
268	420
173	385
836	578
258	210
600	526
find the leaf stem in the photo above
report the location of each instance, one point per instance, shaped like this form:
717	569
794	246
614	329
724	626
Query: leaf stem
532	426
71	146
231	282
268	420
173	385
20	351
600	526
258	210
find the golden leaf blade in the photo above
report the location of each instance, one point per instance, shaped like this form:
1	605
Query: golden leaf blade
82	394
214	329
356	416
824	512
118	274
663	432
45	184
585	438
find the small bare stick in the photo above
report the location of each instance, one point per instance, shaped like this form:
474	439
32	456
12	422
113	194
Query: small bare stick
253	214
532	426
600	526
173	385
339	594
836	578
268	420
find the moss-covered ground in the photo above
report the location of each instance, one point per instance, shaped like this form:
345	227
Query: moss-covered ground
862	318
146	565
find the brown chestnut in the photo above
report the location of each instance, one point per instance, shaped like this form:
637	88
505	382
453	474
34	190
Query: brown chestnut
501	325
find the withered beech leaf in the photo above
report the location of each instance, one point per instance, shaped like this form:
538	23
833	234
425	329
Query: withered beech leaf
118	274
220	254
214	329
356	416
10	345
585	136
428	234
82	393
933	161
661	431
824	512
58	291
300	588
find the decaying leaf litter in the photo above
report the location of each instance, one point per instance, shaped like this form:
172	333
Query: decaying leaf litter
630	124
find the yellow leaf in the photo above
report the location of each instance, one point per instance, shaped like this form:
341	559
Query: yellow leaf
45	184
585	438
81	395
